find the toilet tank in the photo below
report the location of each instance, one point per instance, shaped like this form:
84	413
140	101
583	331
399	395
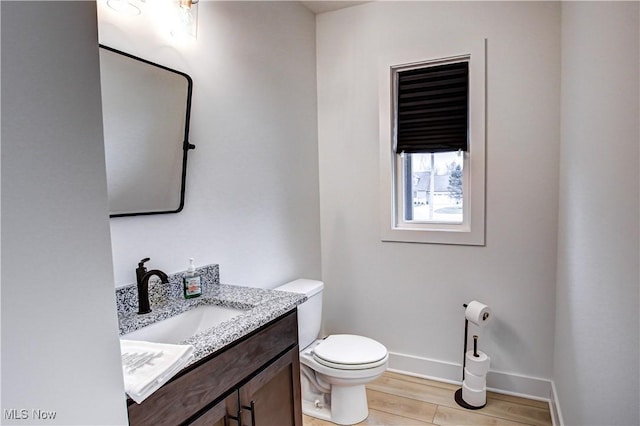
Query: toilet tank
310	311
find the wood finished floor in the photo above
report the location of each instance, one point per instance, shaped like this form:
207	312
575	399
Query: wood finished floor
399	400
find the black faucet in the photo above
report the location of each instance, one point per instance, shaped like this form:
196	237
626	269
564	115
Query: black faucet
142	276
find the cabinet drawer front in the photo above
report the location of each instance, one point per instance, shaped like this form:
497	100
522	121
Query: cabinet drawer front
190	392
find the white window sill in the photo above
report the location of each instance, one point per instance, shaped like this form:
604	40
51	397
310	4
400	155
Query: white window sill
432	236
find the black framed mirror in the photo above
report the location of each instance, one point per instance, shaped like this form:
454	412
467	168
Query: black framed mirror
146	109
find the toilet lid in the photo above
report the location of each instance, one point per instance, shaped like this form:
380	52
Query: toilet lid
348	351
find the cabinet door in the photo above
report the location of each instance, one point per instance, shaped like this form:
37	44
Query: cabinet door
224	413
272	397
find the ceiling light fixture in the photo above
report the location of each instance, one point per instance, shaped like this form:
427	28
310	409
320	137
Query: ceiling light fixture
186	4
186	23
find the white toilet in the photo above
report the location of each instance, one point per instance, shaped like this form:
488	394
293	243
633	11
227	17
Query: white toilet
333	370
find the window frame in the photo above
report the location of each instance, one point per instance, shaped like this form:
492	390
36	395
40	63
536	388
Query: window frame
393	227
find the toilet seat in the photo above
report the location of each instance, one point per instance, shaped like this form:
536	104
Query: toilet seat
350	352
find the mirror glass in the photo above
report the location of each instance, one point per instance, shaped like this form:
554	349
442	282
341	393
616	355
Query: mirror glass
145	108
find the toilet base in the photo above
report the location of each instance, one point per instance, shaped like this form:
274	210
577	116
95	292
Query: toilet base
348	406
313	409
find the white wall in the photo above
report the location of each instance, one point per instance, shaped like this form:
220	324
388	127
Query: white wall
60	349
252	200
596	340
410	296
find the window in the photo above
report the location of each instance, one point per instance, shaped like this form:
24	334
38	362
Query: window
431	188
432	151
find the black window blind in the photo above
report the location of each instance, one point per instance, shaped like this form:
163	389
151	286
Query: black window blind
432	109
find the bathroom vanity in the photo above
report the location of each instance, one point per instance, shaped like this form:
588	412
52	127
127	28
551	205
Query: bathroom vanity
245	369
255	380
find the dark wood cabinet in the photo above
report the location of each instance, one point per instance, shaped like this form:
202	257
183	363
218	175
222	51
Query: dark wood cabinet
268	399
254	381
217	415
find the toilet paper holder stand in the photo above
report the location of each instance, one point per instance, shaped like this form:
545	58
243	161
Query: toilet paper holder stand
458	395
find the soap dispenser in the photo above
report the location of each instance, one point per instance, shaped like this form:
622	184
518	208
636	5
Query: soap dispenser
192	282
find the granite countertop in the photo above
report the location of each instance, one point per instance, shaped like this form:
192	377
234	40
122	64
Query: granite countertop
261	306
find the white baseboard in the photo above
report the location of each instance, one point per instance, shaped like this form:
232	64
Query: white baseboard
497	381
554	404
442	371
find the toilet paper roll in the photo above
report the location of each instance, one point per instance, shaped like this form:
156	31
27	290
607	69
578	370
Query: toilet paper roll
474	382
478	313
473	397
477	365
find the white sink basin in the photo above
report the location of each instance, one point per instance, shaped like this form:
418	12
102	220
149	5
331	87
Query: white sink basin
182	326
